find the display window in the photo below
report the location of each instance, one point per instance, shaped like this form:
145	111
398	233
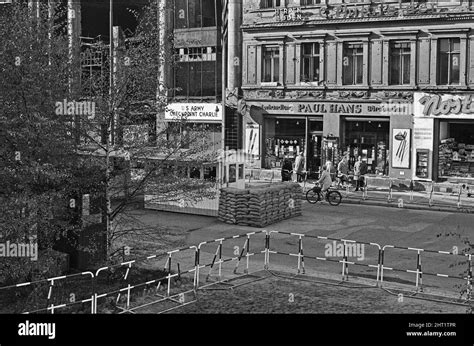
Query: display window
456	149
284	139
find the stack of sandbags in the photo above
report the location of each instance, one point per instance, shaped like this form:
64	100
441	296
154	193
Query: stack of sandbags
260	206
228	205
241	205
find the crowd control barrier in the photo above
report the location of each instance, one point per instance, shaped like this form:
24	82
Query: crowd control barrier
422	266
68	293
362	257
172	279
173	272
224	255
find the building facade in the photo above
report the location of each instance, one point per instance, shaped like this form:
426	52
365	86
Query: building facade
346	78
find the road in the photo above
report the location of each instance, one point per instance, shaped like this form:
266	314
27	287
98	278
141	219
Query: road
440	231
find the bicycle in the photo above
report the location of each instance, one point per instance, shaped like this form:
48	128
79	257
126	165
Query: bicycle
313	196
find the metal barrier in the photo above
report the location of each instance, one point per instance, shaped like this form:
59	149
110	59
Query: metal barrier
231	253
430	260
332	253
127	290
143	293
52	294
389	192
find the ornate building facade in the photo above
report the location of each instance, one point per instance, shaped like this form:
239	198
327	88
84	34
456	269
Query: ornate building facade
341	78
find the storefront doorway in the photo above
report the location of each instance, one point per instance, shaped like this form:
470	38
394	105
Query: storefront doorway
315	137
368	138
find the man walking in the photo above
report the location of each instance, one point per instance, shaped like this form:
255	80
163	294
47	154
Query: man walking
360	169
299	167
343	171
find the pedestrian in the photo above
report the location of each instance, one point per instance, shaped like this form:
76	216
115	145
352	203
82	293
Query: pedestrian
299	167
343	171
331	170
360	169
286	170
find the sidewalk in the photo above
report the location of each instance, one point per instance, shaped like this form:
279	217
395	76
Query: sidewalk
423	196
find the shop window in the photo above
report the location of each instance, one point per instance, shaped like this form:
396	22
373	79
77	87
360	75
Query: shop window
352	62
196	13
400	63
456	149
271	3
448	61
271	64
310	66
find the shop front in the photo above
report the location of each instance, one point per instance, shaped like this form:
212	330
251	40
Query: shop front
444	137
325	131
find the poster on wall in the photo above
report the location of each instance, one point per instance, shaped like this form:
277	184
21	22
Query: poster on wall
401	148
252	139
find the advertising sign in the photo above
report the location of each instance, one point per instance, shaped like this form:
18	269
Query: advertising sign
445	106
401	148
252	139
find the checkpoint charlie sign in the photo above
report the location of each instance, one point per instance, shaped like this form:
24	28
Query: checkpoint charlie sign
195	112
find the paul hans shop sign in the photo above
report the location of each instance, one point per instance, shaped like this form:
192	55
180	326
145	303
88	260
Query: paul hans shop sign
341	108
194	112
448	106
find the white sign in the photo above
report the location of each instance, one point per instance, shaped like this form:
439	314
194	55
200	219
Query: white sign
401	148
252	139
194	112
445	106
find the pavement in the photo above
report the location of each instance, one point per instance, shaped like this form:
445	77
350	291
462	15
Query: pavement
444	197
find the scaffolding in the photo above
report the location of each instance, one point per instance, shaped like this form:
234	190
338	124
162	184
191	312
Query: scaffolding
94	53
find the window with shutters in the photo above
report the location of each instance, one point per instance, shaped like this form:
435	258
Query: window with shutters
352	62
448	61
310	62
271	64
400	53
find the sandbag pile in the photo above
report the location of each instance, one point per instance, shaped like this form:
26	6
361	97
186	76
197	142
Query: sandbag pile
260	206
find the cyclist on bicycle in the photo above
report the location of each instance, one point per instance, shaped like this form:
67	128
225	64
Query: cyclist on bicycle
325	180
